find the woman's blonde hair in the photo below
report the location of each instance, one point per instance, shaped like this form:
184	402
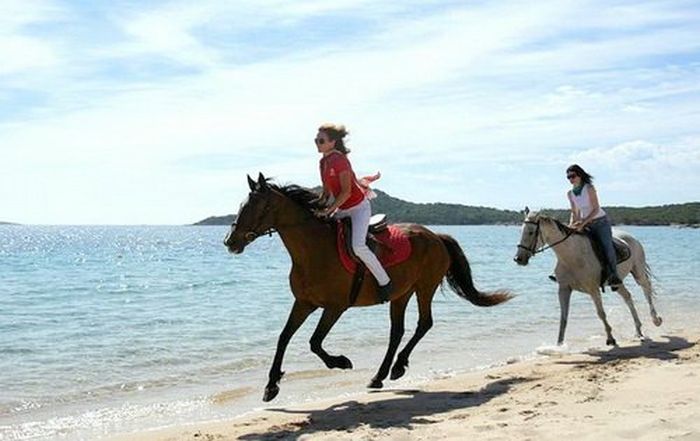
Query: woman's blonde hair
337	133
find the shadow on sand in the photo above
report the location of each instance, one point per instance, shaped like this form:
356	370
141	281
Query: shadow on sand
403	408
409	408
658	350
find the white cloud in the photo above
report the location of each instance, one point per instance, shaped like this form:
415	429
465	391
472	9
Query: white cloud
19	51
646	172
472	87
679	155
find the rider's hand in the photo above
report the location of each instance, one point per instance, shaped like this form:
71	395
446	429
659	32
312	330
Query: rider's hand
327	212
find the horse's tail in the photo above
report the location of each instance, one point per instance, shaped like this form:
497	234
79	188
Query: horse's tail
459	277
641	271
649	274
643	276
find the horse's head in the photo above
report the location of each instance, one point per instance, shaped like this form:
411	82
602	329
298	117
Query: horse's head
255	217
530	238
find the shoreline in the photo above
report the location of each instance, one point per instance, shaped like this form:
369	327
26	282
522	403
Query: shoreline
643	390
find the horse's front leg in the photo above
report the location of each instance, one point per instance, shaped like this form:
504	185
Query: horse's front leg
300	311
598	301
398	309
564	300
328	319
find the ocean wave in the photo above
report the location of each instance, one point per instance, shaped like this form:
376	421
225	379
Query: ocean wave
310	374
91	423
228	396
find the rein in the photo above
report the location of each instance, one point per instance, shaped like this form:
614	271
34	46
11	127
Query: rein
533	249
251	234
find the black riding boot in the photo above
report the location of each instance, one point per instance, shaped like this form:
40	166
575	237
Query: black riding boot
614	280
384	291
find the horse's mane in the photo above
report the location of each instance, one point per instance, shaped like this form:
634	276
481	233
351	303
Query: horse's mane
304	197
560	225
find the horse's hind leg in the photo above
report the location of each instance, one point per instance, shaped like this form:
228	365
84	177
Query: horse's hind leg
398	309
625	294
425	322
601	314
641	276
328	319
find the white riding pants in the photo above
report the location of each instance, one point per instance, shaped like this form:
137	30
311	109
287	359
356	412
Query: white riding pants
360	214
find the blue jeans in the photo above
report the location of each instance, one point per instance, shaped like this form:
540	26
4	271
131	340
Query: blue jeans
602	232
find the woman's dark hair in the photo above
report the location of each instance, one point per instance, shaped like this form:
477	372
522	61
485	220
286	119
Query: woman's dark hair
336	132
585	177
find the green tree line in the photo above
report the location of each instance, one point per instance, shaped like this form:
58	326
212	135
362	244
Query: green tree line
438	213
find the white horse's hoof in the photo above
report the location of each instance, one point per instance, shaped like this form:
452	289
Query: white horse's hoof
658	321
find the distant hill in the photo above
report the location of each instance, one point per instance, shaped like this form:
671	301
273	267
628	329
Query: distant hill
438	213
217	220
687	214
8	223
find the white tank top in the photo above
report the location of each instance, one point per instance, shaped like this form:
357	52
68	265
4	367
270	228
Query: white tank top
583	203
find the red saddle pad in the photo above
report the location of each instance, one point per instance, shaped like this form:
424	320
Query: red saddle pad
395	247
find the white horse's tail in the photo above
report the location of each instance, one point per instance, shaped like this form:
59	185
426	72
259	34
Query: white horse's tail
649	276
641	271
642	274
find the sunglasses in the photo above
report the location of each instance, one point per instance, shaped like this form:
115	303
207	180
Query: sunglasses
570	177
320	141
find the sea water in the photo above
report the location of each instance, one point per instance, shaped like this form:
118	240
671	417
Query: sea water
107	330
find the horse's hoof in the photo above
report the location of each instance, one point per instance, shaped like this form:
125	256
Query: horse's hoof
340	362
658	321
397	372
375	384
611	342
271	392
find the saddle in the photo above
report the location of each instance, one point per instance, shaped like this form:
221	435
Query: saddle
389	243
377	224
622	253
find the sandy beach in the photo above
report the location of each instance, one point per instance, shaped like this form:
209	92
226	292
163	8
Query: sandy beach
640	390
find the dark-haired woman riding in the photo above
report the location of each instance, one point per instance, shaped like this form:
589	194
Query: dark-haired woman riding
586	212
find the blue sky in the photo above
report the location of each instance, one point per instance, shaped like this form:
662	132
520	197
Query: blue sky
154	112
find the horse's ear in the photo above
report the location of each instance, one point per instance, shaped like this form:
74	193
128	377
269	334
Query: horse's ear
251	183
526	211
262	182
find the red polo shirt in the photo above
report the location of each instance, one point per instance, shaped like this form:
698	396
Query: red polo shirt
331	166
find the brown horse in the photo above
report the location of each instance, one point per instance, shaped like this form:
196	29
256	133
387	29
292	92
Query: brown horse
318	279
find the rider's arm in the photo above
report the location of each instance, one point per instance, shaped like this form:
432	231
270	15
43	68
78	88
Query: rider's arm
345	189
574	211
325	193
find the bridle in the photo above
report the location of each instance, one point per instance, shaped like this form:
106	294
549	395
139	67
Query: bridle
253	234
532	249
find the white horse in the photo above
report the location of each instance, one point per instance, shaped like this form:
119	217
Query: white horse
579	269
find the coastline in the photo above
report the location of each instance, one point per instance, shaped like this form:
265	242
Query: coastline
136	289
640	390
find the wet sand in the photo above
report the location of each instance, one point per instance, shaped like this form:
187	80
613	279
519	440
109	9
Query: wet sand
640	390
